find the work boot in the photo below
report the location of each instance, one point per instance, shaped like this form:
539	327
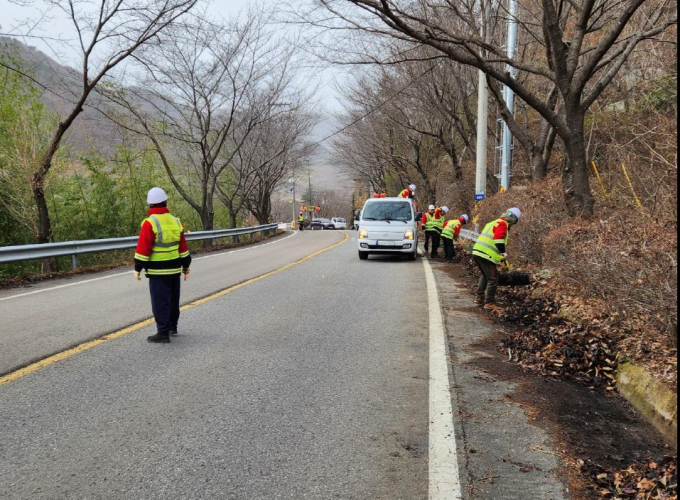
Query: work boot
479	301
173	332
492	306
159	338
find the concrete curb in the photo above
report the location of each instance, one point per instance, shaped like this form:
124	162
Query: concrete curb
651	398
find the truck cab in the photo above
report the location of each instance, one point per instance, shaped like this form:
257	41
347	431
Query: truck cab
388	226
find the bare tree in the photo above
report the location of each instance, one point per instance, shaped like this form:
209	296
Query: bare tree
279	150
574	47
205	90
107	34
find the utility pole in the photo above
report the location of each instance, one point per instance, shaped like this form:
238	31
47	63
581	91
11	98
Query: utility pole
292	181
509	97
482	119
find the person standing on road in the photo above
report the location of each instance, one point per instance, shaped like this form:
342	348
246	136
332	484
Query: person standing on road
450	233
489	252
301	221
162	252
437	228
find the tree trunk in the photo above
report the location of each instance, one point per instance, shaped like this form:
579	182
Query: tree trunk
575	179
539	166
44	224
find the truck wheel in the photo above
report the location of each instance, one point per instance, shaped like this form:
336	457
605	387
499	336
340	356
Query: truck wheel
363	255
413	256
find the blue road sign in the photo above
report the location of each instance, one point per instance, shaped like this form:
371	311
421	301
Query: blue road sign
480	196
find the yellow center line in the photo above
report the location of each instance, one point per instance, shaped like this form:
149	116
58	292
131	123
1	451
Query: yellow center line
33	367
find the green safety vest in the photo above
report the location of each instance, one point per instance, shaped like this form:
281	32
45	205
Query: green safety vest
485	246
450	229
438	224
301	218
165	256
429	221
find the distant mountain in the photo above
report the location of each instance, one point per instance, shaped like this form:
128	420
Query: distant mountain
60	87
61	84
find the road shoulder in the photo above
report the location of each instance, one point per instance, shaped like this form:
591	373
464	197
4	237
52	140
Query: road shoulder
503	454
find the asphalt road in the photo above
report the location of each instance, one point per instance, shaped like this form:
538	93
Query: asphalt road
309	384
48	317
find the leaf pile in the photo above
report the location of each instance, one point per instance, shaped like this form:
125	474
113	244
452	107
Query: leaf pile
557	347
649	480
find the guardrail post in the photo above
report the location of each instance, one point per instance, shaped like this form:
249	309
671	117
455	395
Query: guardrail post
213	242
74	261
263	234
235	238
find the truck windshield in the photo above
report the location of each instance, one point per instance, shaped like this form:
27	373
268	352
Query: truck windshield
388	210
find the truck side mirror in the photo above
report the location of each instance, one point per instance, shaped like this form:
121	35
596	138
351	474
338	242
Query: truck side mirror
419	216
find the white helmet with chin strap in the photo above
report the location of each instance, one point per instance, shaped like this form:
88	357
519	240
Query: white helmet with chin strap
513	213
445	209
412	187
465	218
431	207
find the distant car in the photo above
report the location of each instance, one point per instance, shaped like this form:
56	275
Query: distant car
338	223
321	224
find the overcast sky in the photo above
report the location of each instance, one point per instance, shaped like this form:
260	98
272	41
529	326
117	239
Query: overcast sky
15	19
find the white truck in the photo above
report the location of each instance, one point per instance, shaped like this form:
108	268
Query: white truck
388	226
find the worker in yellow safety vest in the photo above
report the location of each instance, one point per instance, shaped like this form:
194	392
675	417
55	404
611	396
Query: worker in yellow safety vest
162	252
409	192
450	233
437	226
489	252
301	222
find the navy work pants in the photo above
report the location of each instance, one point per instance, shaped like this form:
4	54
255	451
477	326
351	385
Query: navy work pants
435	237
449	249
165	301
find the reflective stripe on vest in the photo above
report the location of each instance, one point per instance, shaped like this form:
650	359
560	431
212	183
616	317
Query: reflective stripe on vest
450	230
429	221
485	246
438	224
168	230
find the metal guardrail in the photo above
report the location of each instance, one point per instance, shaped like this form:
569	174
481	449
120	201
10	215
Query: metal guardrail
468	235
20	253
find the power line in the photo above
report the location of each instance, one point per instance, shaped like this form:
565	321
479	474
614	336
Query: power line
371	111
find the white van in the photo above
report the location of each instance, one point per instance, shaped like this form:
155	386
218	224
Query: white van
388	226
339	223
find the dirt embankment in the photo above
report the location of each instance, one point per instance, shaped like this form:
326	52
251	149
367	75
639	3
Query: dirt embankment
605	288
608	450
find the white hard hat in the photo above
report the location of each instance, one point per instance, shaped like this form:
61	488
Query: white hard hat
445	209
156	195
412	187
431	207
465	217
516	212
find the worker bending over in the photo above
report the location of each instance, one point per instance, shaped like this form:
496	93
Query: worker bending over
409	192
449	233
163	253
489	252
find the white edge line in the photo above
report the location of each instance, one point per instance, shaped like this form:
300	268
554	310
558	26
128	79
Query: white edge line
128	272
444	475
